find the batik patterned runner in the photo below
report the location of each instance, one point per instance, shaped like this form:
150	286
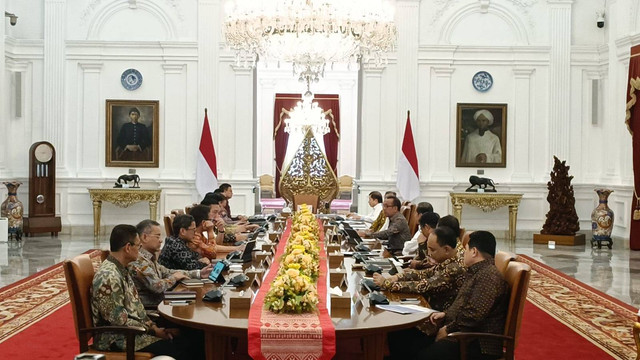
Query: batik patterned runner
292	336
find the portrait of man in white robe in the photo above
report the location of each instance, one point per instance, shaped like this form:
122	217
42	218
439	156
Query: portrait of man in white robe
482	145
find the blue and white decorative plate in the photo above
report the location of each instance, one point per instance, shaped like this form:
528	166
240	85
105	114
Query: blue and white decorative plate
131	79
482	81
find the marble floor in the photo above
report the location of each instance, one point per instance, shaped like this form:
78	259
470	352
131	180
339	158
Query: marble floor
615	272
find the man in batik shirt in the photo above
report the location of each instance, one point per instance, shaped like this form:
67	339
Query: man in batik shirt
115	301
180	252
438	284
152	279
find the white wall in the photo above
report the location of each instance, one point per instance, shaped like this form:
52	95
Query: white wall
70	54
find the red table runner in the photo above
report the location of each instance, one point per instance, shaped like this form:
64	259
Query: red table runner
292	336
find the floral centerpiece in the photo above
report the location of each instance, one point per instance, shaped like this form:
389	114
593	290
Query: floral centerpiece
294	288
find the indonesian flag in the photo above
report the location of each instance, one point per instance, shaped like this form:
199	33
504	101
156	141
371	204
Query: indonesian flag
206	168
408	176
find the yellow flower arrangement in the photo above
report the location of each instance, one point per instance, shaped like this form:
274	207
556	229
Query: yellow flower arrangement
294	289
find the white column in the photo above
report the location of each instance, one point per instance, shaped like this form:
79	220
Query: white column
372	136
560	78
53	89
442	125
90	147
4	100
521	157
348	129
208	40
408	16
265	152
178	131
243	137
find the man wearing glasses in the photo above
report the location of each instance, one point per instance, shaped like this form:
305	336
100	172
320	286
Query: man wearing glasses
180	251
115	301
152	279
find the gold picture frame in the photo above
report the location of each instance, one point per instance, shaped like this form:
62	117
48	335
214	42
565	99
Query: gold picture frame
481	135
131	141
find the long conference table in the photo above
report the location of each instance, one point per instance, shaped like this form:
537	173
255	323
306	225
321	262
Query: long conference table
361	322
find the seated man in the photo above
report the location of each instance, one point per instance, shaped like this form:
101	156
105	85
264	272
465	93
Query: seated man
205	234
115	302
231	228
439	284
397	232
481	305
180	252
227	191
427	223
411	247
152	279
375	201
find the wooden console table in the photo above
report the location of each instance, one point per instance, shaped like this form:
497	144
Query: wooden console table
488	202
123	198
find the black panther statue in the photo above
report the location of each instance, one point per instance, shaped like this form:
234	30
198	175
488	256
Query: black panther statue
481	183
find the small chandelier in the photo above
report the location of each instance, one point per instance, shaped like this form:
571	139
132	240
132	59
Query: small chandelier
306	115
310	33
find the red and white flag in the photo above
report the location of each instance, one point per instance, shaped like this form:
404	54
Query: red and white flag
206	167
408	182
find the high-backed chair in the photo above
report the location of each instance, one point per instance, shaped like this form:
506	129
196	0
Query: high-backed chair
517	276
345	187
267	186
406	212
79	275
636	337
465	237
502	259
309	199
168	224
413	219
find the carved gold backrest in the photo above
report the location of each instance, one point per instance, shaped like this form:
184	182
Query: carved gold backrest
309	172
267	189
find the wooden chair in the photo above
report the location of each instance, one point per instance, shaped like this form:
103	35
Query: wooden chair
168	224
79	275
309	199
465	237
414	219
636	337
517	276
502	259
406	212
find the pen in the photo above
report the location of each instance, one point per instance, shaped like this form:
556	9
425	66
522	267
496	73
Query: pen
409	299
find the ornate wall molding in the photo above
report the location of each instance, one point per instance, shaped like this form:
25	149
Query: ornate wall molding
109	11
510	18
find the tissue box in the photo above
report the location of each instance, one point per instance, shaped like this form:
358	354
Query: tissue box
268	247
262	255
336	277
335	260
341	305
332	248
240	302
255	273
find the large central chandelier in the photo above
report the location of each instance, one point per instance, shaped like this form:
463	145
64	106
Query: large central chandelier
310	33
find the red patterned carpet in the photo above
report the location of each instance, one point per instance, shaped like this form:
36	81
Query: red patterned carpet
563	319
29	301
595	324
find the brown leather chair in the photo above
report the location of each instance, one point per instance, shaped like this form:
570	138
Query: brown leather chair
406	212
414	219
517	276
168	224
309	199
636	337
79	275
502	259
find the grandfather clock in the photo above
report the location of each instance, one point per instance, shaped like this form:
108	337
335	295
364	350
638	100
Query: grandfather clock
42	190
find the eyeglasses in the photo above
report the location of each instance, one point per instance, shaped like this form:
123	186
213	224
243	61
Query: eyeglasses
155	235
138	245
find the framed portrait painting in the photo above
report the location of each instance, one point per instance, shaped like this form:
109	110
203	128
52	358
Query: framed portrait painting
481	136
132	133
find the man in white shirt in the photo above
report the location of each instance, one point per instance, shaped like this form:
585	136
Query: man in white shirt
411	247
375	201
481	145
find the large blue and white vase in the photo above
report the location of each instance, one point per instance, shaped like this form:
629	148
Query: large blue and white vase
12	209
602	217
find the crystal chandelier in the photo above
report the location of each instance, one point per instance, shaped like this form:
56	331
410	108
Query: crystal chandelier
306	115
310	33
